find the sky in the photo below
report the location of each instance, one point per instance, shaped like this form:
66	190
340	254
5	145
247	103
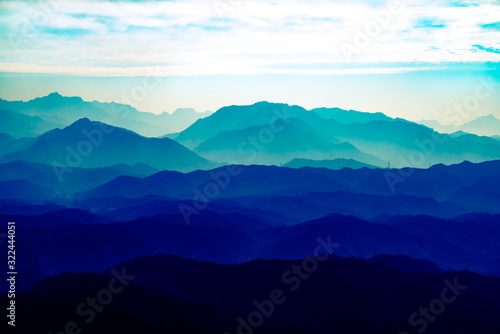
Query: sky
413	59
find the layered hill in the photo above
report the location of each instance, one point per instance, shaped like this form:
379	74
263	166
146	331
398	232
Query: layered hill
91	144
34	117
163	294
330	164
487	125
270	132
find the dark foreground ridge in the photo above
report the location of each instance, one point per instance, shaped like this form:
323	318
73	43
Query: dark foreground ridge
166	294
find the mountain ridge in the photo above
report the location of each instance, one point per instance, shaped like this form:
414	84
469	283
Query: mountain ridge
92	144
55	110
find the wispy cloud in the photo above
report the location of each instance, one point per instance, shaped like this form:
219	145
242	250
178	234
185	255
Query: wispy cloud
487	49
493	25
199	37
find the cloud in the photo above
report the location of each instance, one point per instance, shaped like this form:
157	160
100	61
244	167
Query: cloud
429	23
487	49
493	26
199	37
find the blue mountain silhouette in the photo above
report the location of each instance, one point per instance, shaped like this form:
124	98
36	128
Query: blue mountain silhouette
93	144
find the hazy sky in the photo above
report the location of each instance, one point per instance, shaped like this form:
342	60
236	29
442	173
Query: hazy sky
413	59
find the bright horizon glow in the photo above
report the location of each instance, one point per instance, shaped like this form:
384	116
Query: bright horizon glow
205	50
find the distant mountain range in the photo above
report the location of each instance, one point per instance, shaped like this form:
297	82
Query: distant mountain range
74	180
33	118
483	126
270	133
90	144
330	164
294	141
291	194
351	116
210	220
260	212
263	133
438	191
